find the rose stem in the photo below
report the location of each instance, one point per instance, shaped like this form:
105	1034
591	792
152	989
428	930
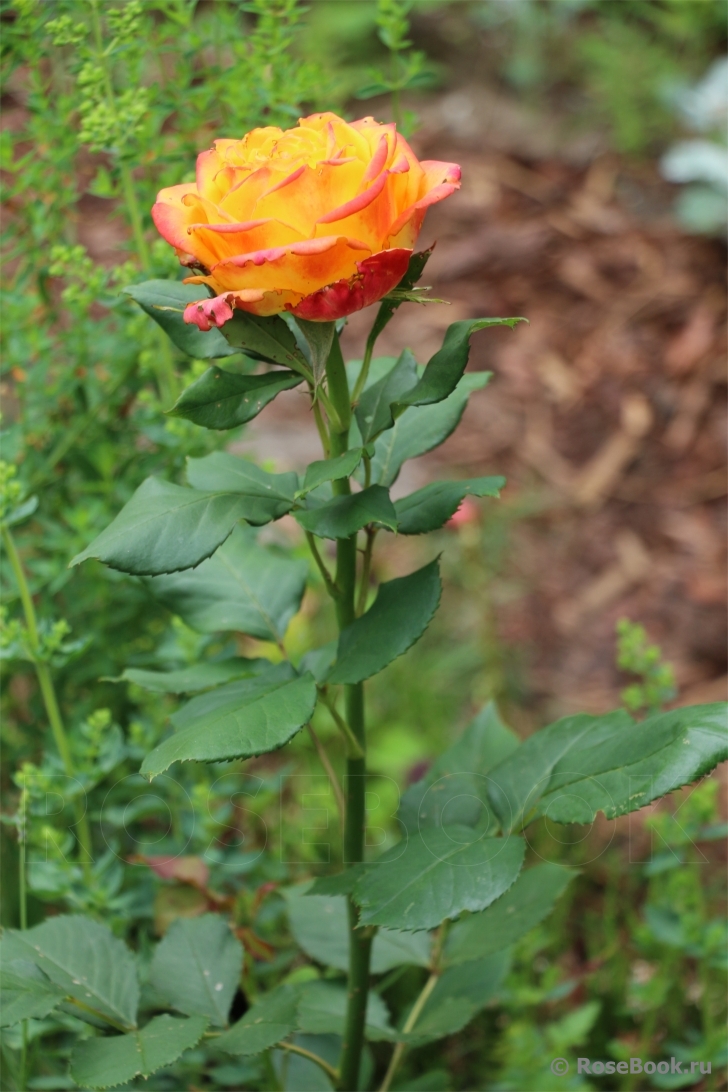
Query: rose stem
360	941
49	700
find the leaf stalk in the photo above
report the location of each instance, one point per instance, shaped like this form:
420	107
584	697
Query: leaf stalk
293	1048
355	749
326	763
331	587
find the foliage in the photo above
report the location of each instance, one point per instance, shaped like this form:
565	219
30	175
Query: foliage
408	67
209	860
637	657
578	52
464	862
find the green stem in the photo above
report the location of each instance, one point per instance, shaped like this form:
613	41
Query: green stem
49	700
22	886
409	1025
394	62
23	899
321	426
294	1049
435	971
69	1000
355	750
331	773
23	1081
135	216
270	1071
365	364
330	586
360	941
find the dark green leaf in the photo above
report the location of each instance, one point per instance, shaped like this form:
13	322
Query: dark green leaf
455	787
165	301
83	958
460	993
319	924
374	411
445	369
319	337
25	992
222	472
431	507
421	80
267	338
436	874
244	718
166	527
244	587
196	967
322	1011
415	268
330	470
422	428
528	902
224	400
344	516
105	1062
202	676
581	765
372	90
267	1022
398	616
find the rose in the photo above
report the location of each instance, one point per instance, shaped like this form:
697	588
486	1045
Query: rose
319	220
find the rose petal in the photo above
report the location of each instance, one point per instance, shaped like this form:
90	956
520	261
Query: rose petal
437	193
378	160
357	203
377	276
217	311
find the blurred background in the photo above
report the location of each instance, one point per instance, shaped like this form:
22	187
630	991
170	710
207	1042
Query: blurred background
592	137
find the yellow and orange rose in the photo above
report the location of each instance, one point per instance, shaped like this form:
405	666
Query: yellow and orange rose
319	220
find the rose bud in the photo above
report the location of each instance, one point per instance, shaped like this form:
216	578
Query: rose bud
319	220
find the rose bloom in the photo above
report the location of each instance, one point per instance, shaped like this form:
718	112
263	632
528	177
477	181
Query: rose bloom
319	220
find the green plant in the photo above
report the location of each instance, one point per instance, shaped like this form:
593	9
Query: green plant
637	657
610	64
408	70
463	848
200	859
85	375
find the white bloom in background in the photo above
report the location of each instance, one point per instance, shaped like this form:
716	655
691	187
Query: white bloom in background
696	161
702	163
705	106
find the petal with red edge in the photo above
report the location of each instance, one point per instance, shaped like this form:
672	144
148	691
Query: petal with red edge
171	216
215	312
438	193
299	267
376	276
